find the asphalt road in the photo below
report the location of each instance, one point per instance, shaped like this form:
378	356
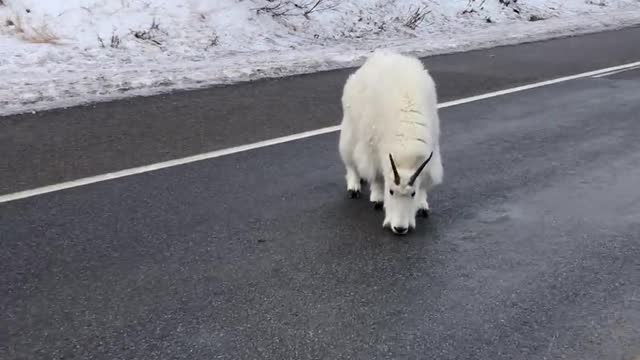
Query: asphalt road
532	250
61	145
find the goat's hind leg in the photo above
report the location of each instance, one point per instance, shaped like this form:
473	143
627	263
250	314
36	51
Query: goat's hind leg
346	148
353	182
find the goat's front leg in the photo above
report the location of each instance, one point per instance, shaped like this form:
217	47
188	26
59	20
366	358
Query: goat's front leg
423	208
377	194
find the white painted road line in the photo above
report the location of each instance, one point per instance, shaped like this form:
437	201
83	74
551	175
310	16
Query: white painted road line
616	71
257	145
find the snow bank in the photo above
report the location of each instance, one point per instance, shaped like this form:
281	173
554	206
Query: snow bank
66	52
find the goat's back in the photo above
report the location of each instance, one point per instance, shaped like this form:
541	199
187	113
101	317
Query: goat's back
391	102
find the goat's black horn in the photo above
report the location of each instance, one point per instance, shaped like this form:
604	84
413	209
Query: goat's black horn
415	175
396	176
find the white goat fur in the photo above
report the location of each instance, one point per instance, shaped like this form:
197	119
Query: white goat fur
390	107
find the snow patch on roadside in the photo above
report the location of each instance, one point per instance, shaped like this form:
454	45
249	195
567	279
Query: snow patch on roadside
60	53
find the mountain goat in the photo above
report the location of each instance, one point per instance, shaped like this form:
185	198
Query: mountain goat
390	136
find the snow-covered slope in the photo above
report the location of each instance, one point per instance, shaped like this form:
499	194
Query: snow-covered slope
65	52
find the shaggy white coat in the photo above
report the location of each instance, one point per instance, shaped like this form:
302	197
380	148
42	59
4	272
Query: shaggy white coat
390	107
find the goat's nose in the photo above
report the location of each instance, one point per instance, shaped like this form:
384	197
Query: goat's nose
400	230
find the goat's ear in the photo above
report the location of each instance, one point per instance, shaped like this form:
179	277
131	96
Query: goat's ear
396	176
415	175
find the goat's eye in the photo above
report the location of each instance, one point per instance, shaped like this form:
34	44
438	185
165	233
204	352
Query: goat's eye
413	194
391	192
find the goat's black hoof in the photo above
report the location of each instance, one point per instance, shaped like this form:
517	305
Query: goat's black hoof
378	205
424	213
354	194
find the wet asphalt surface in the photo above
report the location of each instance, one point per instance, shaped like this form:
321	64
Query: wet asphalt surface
532	250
